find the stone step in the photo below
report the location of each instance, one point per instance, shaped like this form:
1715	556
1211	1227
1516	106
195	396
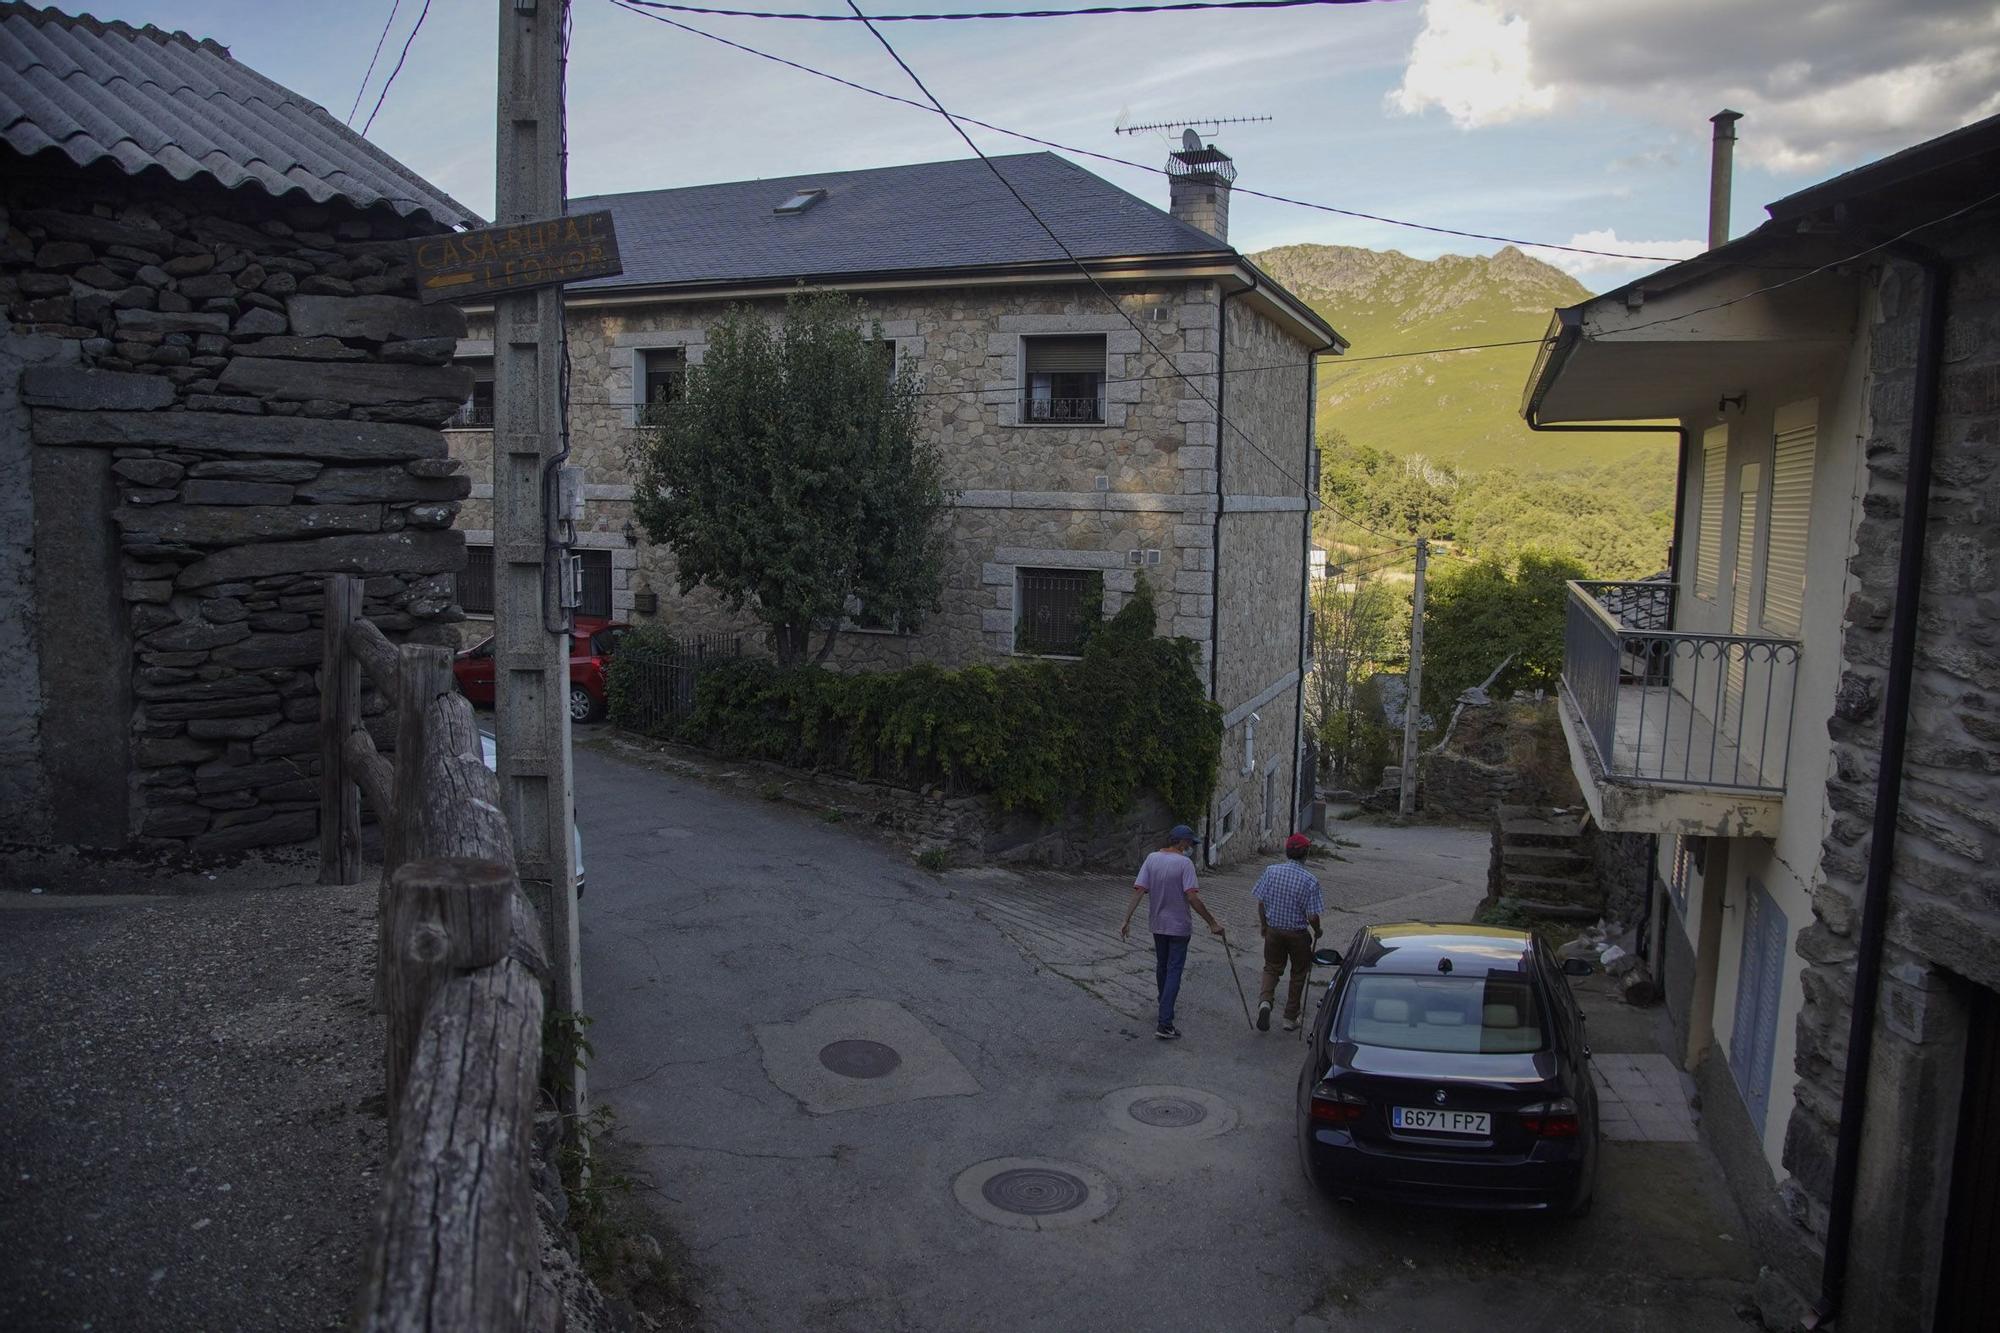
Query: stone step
1553	890
1556	862
1547	911
1527	832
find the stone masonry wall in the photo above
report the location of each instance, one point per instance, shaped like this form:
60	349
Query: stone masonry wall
1944	922
1028	494
239	389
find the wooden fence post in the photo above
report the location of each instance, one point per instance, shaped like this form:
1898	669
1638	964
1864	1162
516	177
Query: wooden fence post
339	711
422	672
446	918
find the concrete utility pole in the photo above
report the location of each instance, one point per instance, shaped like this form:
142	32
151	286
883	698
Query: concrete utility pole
534	588
1413	710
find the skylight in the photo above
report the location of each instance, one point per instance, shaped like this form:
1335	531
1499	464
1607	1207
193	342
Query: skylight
800	201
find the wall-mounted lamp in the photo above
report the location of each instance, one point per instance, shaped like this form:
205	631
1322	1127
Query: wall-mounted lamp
631	534
1727	401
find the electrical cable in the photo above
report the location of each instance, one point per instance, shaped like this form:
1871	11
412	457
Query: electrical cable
390	82
633	6
1081	268
1173	7
393	7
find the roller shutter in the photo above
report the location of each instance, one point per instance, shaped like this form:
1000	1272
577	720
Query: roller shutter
1796	441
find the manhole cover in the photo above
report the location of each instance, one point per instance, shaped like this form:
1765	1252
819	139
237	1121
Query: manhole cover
859	1059
1035	1191
1168	1112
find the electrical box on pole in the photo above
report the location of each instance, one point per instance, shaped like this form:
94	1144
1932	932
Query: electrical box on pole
1413	701
531	588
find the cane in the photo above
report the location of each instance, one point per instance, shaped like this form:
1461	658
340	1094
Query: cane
1230	954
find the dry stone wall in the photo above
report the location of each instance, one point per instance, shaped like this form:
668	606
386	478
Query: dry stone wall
242	392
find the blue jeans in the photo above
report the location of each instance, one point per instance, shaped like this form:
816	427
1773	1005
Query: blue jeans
1169	956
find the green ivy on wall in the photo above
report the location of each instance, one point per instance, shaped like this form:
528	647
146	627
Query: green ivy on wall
1130	715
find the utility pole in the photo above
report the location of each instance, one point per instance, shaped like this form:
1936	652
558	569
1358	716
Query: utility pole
534	588
1413	711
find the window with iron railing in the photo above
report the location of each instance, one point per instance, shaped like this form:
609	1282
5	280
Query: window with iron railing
1062	379
593	583
1055	610
475	581
477	411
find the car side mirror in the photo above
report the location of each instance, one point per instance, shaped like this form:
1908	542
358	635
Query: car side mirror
1327	957
1577	967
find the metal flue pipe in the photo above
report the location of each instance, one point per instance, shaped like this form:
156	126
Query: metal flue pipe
1721	166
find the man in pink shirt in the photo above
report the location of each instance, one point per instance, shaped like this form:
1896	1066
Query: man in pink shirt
1166	881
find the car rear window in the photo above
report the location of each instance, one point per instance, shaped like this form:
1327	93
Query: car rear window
1494	1014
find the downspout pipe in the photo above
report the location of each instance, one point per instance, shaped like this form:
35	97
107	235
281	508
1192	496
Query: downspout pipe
1305	594
1215	535
1889	776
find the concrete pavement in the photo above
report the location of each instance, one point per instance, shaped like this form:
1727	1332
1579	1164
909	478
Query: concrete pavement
876	1098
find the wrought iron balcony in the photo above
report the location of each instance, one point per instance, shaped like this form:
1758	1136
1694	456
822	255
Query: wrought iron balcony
1085	410
1660	706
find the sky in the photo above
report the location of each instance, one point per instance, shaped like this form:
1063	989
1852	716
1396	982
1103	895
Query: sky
1571	121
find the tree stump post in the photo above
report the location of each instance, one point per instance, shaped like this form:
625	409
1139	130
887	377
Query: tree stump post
339	711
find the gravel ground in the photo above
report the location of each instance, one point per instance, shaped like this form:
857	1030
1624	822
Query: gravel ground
190	1125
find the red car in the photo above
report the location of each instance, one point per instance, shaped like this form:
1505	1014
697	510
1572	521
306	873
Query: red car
591	645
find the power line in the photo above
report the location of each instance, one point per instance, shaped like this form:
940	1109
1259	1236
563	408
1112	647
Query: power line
1081	268
1172	8
633	6
390	82
393	7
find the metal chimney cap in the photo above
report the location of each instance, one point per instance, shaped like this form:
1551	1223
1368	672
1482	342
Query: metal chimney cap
1725	121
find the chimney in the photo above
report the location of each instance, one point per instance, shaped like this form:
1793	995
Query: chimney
1721	150
1198	181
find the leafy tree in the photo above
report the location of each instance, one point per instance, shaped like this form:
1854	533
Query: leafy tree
789	477
1476	614
1355	630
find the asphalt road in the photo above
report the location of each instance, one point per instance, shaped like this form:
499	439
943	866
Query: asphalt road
733	947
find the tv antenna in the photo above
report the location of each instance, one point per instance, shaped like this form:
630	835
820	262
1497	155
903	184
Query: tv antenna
1210	123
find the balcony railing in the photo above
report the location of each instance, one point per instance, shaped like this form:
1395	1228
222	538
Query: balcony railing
1702	710
1090	410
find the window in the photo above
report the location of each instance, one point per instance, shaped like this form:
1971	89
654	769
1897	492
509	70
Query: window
1708	541
1055	610
799	201
593	583
475	584
864	620
885	350
1063	379
663	374
1493	1014
1796	440
477	411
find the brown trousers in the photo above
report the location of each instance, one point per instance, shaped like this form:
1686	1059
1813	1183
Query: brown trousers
1281	947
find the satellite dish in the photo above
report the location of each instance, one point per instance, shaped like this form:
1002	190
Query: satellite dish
1190	142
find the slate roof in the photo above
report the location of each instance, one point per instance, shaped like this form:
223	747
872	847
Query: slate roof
935	215
149	99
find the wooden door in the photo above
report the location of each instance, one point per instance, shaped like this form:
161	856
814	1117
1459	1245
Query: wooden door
1760	980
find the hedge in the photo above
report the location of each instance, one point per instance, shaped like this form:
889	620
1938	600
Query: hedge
1130	715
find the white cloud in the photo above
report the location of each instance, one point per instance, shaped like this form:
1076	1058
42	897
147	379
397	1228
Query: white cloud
1472	60
1818	80
1601	271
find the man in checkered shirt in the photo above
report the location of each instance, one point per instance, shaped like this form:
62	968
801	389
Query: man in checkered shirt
1288	908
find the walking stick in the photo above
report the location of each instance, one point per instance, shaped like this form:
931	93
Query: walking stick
1230	954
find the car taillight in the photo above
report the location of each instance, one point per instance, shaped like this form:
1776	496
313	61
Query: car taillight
1333	1107
1552	1120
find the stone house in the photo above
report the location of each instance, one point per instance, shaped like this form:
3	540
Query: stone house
1081	461
214	389
1806	715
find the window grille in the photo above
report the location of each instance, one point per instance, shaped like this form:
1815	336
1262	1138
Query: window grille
593	583
1055	610
475	582
477	411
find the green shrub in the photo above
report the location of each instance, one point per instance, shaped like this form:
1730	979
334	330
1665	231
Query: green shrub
1130	715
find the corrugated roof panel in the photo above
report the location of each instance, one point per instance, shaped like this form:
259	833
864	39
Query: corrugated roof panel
146	98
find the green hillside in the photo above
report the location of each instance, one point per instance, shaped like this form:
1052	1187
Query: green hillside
1461	408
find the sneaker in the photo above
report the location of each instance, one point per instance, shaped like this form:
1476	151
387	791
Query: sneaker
1291	1025
1264	1017
1167	1032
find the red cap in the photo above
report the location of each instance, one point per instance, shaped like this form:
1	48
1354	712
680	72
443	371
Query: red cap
1298	842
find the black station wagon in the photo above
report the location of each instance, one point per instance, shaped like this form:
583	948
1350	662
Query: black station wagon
1447	1065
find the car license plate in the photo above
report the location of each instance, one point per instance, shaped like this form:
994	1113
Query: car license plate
1440	1122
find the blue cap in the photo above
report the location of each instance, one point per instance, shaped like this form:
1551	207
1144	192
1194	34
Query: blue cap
1182	833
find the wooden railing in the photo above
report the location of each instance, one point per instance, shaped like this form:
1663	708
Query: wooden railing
459	970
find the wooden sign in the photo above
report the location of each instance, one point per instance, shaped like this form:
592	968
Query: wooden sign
460	266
